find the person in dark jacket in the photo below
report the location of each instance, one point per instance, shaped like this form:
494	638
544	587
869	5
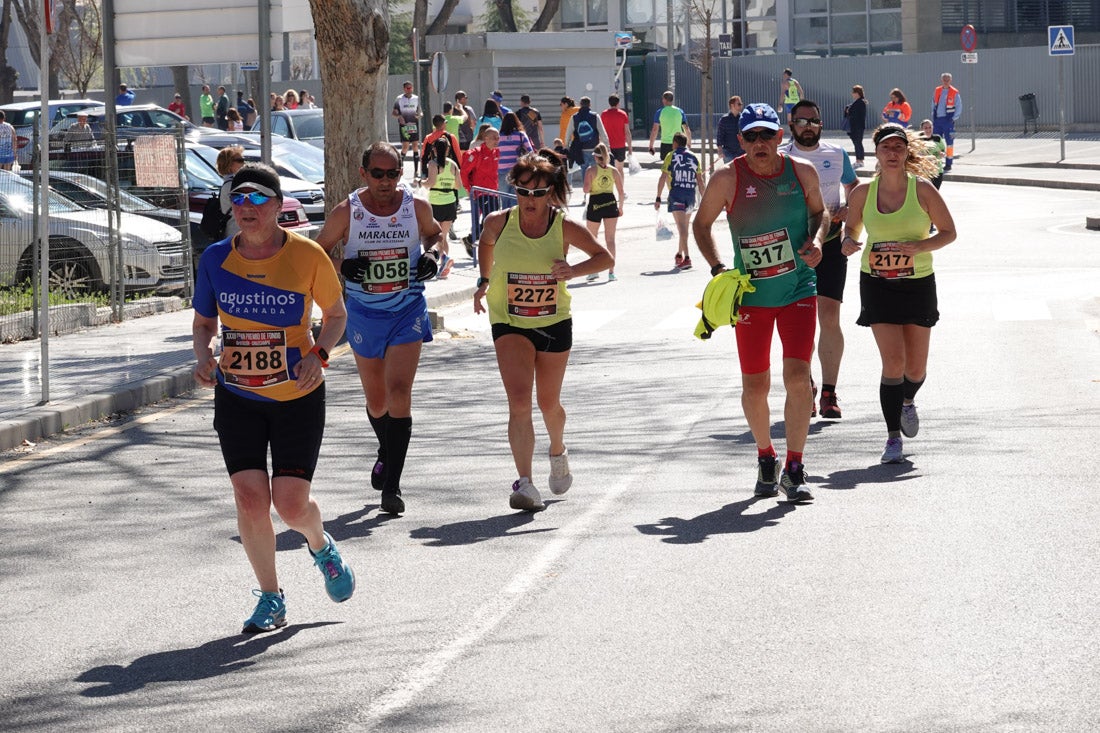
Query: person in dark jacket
727	131
855	121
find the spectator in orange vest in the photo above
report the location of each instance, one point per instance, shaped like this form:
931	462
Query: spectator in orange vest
897	110
946	108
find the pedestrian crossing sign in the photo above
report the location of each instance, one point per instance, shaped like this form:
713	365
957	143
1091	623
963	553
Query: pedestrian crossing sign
1061	40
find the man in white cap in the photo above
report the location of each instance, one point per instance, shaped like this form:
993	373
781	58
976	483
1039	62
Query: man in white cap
776	216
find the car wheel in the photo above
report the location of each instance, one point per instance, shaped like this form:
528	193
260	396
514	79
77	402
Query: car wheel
73	270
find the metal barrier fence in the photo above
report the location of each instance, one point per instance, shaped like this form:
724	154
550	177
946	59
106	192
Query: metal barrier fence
484	201
107	245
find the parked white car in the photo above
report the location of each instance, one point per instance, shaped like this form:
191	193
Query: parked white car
23	116
153	256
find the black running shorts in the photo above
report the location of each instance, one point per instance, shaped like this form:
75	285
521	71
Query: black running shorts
832	271
904	301
552	339
292	429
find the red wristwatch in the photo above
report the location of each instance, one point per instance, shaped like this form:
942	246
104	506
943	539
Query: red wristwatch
321	354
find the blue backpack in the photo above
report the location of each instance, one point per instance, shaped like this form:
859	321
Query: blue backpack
584	129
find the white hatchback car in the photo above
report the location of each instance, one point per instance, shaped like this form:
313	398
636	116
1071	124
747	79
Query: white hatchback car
153	257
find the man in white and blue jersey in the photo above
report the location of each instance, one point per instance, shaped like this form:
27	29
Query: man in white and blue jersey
684	175
834	171
391	246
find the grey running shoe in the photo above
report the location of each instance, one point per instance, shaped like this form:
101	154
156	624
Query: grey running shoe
765	477
525	496
910	421
560	477
793	483
892	454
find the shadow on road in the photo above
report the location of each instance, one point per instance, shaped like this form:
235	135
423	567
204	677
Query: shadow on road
876	473
778	432
345	526
211	659
730	519
478	530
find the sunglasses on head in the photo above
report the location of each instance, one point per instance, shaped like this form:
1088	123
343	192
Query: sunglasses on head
806	122
533	192
380	173
254	197
752	135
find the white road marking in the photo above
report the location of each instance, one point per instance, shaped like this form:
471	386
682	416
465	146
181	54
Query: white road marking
1020	309
589	321
681	319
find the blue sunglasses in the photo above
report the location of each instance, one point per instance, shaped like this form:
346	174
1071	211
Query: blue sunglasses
255	198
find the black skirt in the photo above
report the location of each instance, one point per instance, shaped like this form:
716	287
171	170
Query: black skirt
901	301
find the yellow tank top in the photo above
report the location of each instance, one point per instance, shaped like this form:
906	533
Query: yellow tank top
604	181
910	223
522	292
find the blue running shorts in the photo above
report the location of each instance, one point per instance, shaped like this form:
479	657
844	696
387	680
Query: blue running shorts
371	332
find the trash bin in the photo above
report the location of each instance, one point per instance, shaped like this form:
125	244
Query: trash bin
1030	108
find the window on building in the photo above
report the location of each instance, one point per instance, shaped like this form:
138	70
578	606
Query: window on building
846	27
1019	16
583	14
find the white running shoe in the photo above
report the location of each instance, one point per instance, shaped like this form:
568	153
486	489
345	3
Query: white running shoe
525	496
894	452
910	421
560	478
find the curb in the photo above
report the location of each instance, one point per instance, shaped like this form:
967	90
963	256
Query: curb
56	418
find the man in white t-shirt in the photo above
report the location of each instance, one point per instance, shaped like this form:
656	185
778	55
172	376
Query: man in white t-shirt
834	170
406	108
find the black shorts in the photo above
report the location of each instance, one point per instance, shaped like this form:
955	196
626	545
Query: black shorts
410	132
666	148
602	206
292	429
832	271
552	339
445	212
904	301
619	154
208	120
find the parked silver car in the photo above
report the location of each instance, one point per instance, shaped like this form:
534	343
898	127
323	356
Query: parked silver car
307	125
153	257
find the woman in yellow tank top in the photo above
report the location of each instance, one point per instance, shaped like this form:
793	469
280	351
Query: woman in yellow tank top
601	182
897	286
522	259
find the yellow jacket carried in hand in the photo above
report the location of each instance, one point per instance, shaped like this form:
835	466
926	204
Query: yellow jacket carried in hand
722	302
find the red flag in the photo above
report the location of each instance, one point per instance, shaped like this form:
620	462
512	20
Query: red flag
48	6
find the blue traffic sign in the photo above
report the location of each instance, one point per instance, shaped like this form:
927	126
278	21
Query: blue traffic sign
1060	40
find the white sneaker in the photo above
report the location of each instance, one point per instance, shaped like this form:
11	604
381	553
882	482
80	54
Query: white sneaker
910	421
525	496
560	478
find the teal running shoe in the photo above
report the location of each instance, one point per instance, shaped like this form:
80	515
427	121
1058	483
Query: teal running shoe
339	579
270	613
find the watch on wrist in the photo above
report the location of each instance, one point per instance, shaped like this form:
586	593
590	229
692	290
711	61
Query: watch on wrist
321	354
482	281
714	271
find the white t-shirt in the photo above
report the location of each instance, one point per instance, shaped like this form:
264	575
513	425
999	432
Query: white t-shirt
408	107
834	169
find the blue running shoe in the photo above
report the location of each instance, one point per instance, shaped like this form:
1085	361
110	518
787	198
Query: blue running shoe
270	613
339	580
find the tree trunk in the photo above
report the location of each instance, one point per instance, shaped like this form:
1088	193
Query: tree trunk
442	19
27	12
9	77
549	12
420	15
353	39
507	18
181	80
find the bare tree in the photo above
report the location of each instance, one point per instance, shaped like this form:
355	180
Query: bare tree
549	12
442	19
28	14
353	39
9	77
506	16
701	15
79	48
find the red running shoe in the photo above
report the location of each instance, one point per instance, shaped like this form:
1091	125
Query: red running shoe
829	407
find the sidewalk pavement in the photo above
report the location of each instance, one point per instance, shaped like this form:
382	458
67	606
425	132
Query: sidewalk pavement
119	367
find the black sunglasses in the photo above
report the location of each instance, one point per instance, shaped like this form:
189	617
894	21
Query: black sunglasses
806	122
534	192
380	173
751	135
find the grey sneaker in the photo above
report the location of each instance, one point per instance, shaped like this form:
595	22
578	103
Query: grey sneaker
765	477
525	496
892	454
910	421
793	482
560	478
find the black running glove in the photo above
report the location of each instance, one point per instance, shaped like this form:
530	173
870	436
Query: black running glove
355	269
427	266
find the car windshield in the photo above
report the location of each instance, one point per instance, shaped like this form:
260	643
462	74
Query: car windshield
20	197
128	202
310	127
303	165
208	154
199	172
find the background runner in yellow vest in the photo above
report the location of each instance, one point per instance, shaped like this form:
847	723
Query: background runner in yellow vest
603	185
790	92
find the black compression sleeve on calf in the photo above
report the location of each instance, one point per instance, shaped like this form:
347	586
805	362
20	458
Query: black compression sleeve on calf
911	388
398	434
379	424
890	394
